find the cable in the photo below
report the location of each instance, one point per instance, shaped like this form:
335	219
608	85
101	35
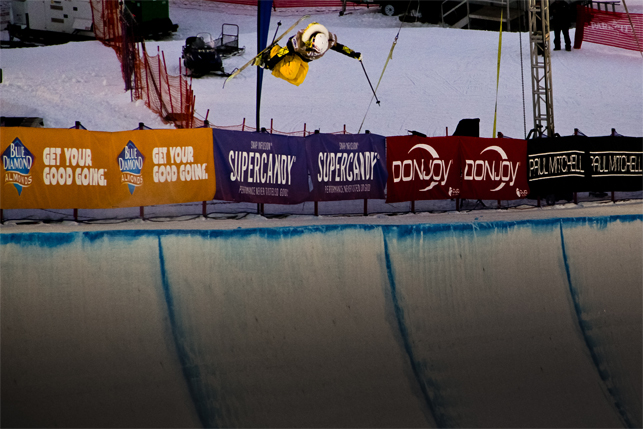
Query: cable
522	79
390	57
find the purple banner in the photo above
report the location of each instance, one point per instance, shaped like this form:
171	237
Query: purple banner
260	167
347	166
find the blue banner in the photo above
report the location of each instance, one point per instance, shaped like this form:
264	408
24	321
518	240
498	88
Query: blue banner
260	167
347	166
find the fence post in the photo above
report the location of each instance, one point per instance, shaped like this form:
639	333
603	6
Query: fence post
147	72
192	111
185	124
366	200
160	88
189	108
169	91
76	126
576	132
141	211
243	125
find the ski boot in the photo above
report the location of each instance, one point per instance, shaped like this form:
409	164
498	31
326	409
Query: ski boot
261	60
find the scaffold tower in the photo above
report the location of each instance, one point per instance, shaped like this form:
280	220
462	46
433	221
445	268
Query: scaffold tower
539	37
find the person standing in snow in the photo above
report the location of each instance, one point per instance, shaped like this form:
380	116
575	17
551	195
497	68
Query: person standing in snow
560	12
308	44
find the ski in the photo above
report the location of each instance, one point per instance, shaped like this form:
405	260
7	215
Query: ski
277	39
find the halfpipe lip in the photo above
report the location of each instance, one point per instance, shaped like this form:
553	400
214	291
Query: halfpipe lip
630	207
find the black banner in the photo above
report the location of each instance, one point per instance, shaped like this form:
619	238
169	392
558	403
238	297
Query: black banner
585	164
615	163
557	165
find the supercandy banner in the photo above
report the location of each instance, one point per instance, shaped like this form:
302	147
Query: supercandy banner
260	167
493	169
422	168
347	166
70	168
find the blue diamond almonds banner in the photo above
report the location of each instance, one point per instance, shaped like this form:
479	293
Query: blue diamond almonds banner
71	168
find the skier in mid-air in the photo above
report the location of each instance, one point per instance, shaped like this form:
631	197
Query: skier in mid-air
311	43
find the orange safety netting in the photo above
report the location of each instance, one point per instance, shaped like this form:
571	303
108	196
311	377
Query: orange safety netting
146	76
169	96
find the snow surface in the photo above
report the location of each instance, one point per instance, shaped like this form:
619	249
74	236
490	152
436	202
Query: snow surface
436	77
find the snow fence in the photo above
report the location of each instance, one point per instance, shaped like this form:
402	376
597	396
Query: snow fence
530	323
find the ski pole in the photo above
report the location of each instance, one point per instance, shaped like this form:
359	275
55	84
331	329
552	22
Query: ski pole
369	81
275	36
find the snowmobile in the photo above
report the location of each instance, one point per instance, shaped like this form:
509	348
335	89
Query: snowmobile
202	54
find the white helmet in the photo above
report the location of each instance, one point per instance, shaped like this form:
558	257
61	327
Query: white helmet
319	42
316	36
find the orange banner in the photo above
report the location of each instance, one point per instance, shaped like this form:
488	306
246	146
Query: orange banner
65	169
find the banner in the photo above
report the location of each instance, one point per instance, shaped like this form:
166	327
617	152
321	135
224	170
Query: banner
346	166
163	166
615	163
260	167
557	165
70	168
609	28
493	169
422	168
585	164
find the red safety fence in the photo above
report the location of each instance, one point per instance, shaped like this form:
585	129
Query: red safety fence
609	28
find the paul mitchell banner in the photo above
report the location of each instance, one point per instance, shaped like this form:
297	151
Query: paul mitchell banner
346	166
615	163
585	164
260	167
493	169
557	165
422	168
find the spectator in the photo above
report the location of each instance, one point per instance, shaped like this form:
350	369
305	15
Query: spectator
561	16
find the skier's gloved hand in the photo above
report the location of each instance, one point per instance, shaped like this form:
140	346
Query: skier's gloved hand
357	56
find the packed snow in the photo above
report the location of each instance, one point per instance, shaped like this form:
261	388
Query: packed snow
436	77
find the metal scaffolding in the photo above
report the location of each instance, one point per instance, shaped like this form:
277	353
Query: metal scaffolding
539	37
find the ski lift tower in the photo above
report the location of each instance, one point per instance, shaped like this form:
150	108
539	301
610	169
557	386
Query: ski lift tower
541	67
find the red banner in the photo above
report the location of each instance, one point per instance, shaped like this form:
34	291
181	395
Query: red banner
422	168
609	28
493	169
